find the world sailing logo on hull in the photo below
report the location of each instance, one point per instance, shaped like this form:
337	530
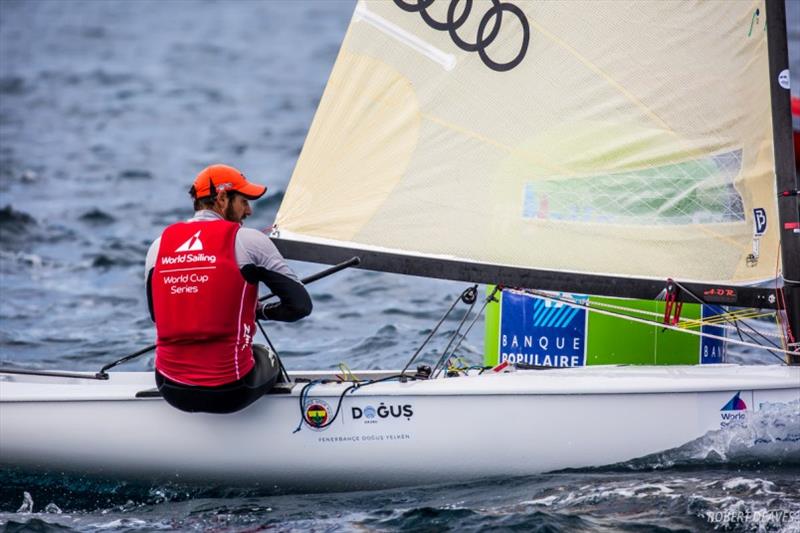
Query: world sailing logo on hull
733	413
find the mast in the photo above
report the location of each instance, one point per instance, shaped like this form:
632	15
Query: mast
785	175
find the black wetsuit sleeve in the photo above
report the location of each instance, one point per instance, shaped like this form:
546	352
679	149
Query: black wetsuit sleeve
150	294
293	303
149	270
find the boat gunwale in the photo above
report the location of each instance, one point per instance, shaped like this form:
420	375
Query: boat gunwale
598	381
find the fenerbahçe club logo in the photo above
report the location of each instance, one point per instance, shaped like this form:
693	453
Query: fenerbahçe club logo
317	414
194	244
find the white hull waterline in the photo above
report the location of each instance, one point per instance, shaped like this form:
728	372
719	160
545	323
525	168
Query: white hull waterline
387	434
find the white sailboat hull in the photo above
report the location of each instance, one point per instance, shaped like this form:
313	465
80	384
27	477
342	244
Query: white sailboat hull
417	432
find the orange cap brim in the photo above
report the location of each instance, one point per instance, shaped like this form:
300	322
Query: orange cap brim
251	191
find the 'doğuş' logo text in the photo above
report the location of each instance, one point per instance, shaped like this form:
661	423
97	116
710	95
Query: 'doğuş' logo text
372	415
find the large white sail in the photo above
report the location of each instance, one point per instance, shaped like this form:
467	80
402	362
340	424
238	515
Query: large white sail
600	137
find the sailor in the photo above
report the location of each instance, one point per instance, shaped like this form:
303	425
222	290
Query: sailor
202	290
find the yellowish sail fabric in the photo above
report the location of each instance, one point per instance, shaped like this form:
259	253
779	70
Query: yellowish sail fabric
605	137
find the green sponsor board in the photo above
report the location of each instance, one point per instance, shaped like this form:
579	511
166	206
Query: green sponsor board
613	340
538	331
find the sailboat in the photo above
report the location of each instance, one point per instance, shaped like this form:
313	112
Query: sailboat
630	150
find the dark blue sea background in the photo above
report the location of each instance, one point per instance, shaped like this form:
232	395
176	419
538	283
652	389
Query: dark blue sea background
108	109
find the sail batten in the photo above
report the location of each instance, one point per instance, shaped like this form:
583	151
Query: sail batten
610	139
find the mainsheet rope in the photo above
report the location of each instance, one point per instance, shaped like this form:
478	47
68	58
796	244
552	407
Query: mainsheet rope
658	324
718	320
738	330
788	340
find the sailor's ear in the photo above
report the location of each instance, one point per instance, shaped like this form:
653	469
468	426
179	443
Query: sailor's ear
222	200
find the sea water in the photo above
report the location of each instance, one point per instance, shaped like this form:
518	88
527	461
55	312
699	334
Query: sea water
107	110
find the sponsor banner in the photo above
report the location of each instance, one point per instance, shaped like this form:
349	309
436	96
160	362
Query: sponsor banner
369	414
526	329
712	351
537	331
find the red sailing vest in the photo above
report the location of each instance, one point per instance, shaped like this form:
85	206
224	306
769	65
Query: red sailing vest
204	309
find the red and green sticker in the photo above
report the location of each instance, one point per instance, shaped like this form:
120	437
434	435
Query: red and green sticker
317	413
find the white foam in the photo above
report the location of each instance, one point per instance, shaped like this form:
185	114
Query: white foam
27	504
759	486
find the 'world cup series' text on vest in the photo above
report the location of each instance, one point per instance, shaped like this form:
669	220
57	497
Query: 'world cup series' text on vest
203	307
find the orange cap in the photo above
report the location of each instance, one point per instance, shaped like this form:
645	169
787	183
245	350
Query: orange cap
225	178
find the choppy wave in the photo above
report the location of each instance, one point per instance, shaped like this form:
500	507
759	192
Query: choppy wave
97	216
110	260
20	230
13	85
22	258
120	253
769	436
744	501
13	222
136	174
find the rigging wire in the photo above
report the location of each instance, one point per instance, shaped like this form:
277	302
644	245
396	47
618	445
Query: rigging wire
468	296
729	320
790	342
718	320
430	335
778	315
752	329
690	293
722	319
781	317
486	301
733	320
284	373
658	324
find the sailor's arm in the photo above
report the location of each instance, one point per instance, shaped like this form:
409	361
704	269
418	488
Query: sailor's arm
265	264
149	265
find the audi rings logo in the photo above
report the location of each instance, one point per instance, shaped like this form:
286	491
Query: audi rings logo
488	27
